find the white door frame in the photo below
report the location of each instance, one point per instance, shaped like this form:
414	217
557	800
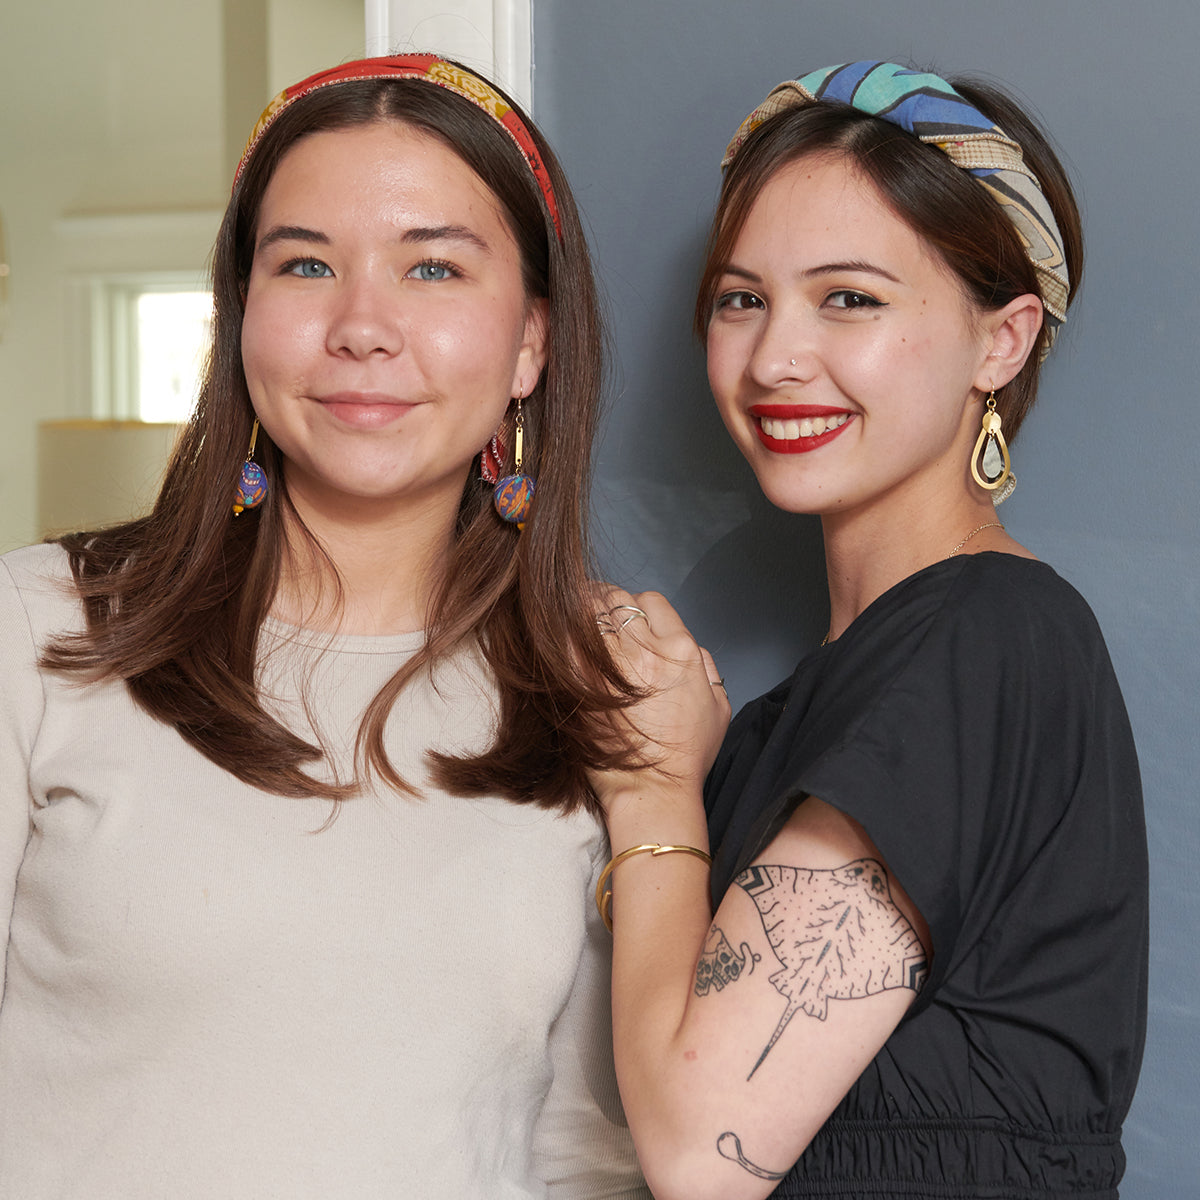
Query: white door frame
492	36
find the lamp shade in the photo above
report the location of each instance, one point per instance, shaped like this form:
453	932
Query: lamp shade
92	473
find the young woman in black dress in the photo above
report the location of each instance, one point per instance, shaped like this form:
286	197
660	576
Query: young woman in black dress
925	975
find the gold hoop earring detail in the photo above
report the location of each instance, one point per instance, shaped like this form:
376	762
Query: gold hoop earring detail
513	497
991	466
252	482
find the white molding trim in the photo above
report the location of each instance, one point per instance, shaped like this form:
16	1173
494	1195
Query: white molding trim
492	36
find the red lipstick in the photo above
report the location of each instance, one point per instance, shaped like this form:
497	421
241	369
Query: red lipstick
797	412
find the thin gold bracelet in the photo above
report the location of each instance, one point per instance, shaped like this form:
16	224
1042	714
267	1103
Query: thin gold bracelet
654	849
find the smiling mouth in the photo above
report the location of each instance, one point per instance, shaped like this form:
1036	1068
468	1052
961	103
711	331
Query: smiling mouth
364	410
796	434
806	427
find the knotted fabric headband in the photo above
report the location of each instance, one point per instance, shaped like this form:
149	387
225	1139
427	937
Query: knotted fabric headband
431	69
929	108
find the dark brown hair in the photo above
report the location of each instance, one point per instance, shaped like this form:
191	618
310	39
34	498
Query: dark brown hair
940	202
175	601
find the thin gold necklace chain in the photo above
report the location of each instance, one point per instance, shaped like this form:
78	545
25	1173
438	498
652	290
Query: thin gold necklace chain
978	529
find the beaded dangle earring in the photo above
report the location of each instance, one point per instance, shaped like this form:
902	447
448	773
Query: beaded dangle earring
513	496
991	466
491	459
252	483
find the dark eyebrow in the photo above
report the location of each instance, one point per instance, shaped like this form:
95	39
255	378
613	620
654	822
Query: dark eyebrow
740	273
444	233
432	233
292	233
833	268
863	268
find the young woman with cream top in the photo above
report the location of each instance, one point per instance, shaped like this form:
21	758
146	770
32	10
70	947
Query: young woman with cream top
296	837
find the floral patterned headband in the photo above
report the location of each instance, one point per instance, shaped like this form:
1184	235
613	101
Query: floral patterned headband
433	70
929	108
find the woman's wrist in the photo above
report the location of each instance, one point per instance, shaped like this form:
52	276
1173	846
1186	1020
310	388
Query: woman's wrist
655	850
641	815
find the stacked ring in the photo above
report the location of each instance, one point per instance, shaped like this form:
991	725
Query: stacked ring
605	619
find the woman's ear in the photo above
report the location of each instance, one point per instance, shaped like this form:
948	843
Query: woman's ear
534	345
1013	332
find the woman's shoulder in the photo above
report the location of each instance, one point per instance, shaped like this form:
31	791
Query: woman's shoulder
1014	576
38	580
990	581
39	562
1008	597
990	618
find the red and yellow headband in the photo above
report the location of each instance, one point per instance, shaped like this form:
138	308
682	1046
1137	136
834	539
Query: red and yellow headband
431	69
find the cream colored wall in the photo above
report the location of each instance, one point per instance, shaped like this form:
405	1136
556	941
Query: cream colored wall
111	108
308	35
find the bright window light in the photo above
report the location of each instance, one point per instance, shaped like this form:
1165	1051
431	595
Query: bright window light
142	341
173	331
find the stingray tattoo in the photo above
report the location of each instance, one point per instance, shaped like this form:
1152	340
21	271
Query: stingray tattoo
838	935
720	964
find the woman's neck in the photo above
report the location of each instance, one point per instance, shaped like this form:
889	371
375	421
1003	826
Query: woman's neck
363	570
869	552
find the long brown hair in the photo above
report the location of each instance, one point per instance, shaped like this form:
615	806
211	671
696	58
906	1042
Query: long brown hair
939	201
175	601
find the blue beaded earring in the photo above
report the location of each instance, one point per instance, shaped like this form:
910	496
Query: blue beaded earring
513	497
252	483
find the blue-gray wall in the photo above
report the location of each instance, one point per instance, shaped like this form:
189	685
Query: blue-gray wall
639	97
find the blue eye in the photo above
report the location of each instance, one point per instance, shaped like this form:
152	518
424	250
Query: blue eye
433	271
307	268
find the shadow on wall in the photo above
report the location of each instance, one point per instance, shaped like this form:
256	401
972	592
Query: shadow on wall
758	599
678	511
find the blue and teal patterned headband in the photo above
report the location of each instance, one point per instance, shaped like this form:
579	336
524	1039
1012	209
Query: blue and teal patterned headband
929	108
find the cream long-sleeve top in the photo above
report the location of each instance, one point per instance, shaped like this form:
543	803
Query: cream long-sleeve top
209	992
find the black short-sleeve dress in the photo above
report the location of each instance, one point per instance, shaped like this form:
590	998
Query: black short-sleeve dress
970	721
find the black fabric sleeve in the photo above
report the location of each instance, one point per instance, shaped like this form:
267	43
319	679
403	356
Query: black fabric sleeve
979	724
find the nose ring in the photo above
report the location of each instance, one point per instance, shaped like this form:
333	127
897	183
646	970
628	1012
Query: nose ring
793	362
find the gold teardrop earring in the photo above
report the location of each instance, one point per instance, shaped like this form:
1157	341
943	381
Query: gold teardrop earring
991	466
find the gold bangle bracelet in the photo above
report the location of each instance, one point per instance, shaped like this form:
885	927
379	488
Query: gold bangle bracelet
654	849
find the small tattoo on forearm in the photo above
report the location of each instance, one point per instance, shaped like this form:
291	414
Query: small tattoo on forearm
837	935
729	1146
721	964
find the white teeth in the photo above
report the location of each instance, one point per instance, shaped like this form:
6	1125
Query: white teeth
789	431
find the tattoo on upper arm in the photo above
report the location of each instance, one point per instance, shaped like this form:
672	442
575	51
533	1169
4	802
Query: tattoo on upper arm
720	963
729	1146
837	935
